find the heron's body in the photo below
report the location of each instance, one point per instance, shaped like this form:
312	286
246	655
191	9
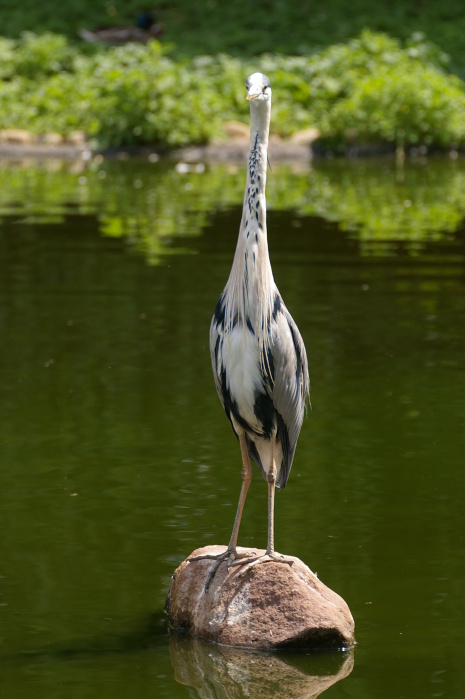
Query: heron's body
258	356
261	378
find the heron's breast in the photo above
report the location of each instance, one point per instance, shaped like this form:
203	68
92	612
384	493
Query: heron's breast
241	362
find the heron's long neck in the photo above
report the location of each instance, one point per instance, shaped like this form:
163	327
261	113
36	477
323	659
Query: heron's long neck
251	279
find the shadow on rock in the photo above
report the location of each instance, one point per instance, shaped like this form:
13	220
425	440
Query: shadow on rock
216	672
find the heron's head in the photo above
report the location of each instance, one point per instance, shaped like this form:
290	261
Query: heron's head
258	88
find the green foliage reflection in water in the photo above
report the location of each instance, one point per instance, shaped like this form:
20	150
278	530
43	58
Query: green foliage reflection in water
380	203
154	204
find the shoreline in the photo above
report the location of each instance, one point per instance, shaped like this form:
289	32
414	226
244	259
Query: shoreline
280	151
210	153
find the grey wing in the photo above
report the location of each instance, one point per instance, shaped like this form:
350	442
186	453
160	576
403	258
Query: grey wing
291	386
216	338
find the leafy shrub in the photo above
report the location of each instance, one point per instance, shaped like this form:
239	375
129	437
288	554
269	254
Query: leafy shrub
7	68
405	106
370	89
123	95
34	56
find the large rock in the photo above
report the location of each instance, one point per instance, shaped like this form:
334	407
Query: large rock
268	605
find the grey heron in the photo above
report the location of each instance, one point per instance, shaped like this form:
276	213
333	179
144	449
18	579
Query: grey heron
258	356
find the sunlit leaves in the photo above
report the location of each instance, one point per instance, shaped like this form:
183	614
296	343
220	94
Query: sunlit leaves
370	89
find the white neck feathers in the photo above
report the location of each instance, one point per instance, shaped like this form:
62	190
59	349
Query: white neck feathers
250	285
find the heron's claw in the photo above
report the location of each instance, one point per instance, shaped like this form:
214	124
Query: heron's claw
218	558
230	555
271	557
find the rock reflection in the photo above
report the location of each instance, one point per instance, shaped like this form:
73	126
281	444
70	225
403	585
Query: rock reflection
218	672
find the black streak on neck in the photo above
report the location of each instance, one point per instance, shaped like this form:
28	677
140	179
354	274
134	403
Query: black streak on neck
252	190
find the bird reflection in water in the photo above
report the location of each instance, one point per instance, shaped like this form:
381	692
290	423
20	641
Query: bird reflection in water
219	672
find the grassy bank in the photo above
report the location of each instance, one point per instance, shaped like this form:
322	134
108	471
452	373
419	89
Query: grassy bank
247	29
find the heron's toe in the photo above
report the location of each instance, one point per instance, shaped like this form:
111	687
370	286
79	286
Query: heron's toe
263	558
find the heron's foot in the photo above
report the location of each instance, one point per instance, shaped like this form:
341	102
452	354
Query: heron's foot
230	555
268	557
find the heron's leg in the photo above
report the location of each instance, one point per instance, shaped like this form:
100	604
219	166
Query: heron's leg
231	552
246	480
270	554
271	478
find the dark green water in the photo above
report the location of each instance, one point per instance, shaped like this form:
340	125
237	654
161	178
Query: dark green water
116	459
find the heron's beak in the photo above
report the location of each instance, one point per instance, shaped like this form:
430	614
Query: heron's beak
253	93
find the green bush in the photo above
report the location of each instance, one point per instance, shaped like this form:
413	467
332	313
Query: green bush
372	89
119	96
35	56
369	89
406	106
